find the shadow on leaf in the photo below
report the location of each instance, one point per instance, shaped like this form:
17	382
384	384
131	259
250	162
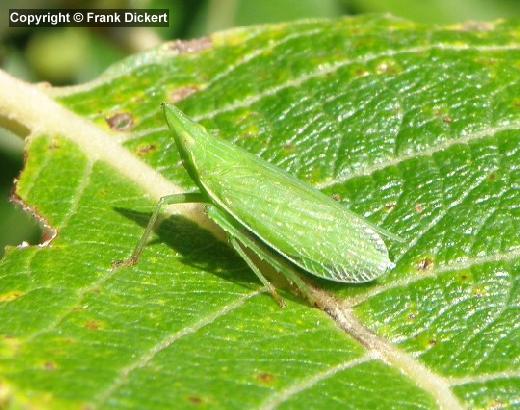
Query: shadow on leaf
196	246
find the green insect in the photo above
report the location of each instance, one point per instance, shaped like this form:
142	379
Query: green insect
285	222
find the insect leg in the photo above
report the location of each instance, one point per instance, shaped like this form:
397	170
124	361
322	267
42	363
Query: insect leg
279	263
189	197
238	248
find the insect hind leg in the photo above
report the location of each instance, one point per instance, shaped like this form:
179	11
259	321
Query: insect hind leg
269	286
243	239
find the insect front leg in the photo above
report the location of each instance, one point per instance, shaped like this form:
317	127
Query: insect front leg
189	197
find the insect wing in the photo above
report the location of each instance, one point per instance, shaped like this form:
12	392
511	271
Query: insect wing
309	228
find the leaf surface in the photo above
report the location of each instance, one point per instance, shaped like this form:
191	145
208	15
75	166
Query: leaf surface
414	127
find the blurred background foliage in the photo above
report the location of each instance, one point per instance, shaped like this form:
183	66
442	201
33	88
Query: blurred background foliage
71	55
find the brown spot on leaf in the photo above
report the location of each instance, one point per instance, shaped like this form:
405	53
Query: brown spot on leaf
68	340
464	277
189	46
425	264
487	61
181	93
93	324
195	400
336	197
146	149
432	342
265	378
361	73
419	208
122	121
441	113
492	177
289	147
12	295
49	365
389	207
447	119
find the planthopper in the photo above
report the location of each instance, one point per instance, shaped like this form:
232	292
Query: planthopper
264	210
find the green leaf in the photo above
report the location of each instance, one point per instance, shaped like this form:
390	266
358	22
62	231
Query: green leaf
439	11
414	127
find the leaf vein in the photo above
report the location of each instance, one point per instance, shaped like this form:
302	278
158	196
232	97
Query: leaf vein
483	378
321	71
460	264
145	358
464	139
284	395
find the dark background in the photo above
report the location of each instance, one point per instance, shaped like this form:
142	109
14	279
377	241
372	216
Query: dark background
71	55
